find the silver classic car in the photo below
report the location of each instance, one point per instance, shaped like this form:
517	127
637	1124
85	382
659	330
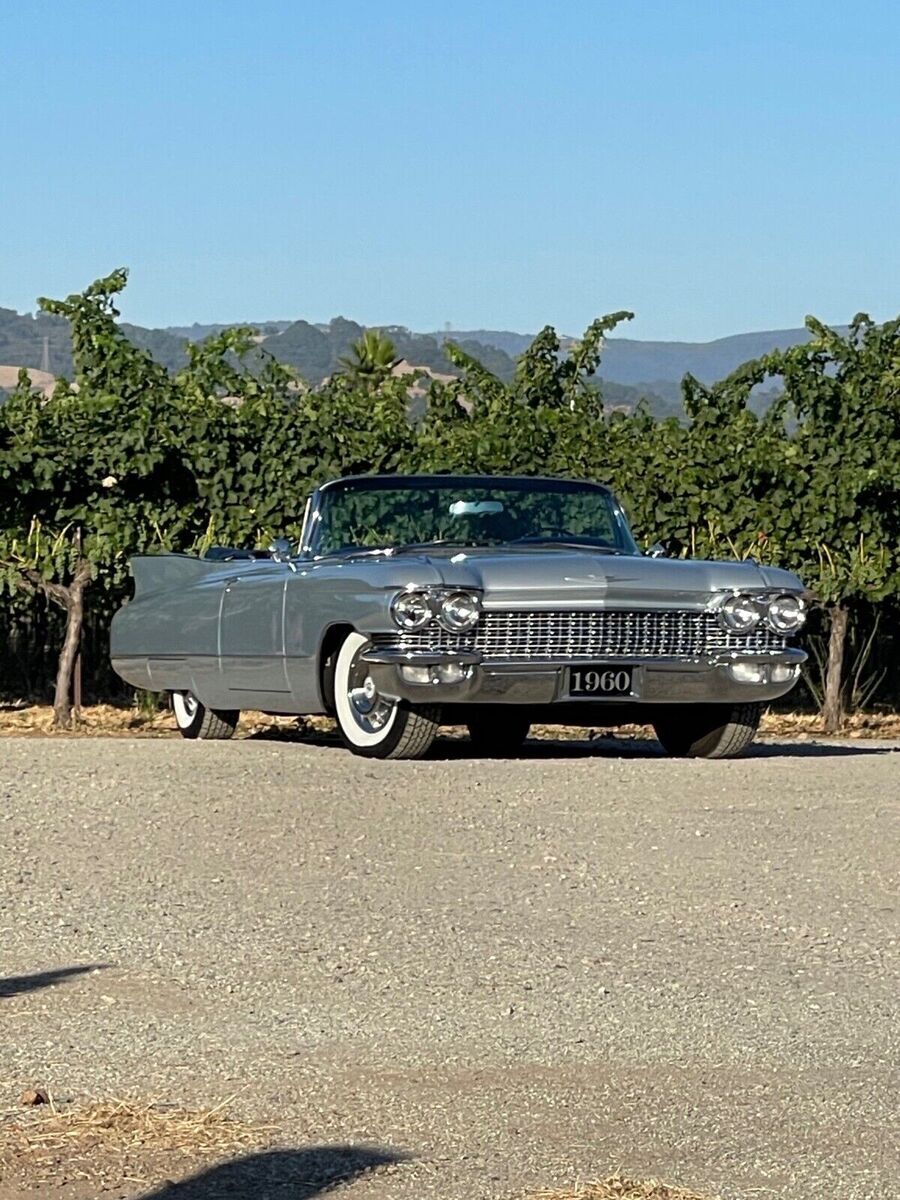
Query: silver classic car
488	602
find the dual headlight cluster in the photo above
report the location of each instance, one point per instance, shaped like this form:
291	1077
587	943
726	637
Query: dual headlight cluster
456	610
783	612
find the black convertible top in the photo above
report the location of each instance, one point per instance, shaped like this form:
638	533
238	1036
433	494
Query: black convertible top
229	553
448	479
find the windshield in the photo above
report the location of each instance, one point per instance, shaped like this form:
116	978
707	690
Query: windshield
456	511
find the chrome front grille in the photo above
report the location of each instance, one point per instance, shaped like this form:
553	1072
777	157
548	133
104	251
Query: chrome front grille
512	636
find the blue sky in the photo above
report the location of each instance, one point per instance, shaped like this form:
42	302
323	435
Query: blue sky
717	167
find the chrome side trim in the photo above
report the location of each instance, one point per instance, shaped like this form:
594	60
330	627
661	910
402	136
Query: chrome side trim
422	658
388	655
790	655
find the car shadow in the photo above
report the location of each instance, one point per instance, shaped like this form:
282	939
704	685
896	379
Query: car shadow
602	746
647	748
18	985
815	750
281	1174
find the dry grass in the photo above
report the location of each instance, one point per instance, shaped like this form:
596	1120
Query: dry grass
19	719
617	1187
98	720
119	1141
105	720
857	725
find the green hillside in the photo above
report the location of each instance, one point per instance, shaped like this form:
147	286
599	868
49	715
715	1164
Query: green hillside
314	350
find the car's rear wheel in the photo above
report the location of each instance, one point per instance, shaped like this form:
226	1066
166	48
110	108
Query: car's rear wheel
499	732
371	724
195	720
708	730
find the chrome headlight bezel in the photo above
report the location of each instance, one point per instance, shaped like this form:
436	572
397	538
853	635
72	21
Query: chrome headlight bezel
412	609
741	612
415	608
453	621
776	622
740	603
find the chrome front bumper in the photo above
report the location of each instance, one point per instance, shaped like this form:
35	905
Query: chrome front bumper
656	680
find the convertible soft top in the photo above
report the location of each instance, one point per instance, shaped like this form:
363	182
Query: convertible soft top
446	479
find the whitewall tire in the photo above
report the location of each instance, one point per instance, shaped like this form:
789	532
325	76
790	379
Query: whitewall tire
371	724
195	720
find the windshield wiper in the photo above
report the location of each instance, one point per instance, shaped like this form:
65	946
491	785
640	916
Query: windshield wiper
388	551
566	543
434	543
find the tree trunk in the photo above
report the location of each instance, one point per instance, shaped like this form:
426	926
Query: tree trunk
72	600
832	708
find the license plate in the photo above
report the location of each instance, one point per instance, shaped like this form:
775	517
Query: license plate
600	679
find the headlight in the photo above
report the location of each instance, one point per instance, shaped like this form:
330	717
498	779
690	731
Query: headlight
412	610
460	611
786	613
740	613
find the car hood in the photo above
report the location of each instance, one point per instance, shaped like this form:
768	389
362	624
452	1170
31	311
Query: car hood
514	578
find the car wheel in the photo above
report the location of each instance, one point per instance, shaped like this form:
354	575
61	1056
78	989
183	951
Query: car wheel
499	733
370	724
195	720
709	730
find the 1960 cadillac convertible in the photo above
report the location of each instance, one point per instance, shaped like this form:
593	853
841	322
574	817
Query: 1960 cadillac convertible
490	602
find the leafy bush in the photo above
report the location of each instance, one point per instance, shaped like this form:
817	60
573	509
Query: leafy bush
129	458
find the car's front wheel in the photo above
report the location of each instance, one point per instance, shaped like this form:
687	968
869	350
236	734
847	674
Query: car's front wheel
371	724
195	720
707	730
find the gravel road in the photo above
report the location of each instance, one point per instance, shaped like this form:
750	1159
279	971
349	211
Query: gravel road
518	972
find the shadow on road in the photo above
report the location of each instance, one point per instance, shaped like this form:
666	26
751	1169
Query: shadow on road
18	985
640	748
447	748
814	750
280	1174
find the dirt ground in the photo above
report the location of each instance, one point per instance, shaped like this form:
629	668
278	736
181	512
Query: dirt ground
454	978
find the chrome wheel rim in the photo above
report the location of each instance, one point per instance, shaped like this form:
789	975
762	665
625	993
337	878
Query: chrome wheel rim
370	710
186	707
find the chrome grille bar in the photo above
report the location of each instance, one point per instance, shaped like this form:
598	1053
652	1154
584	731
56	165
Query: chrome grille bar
514	636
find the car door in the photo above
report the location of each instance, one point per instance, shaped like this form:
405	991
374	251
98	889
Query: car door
309	610
251	637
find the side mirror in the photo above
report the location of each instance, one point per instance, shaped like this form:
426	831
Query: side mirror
281	549
657	550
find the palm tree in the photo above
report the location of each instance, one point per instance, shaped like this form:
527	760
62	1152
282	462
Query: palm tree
372	358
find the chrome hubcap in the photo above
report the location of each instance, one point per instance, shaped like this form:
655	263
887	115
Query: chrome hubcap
371	711
190	704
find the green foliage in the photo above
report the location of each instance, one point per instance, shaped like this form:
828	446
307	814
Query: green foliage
130	457
840	468
371	360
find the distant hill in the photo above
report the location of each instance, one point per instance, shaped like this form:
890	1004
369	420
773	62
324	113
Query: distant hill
510	343
314	350
630	370
198	333
41	381
22	341
629	361
656	365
